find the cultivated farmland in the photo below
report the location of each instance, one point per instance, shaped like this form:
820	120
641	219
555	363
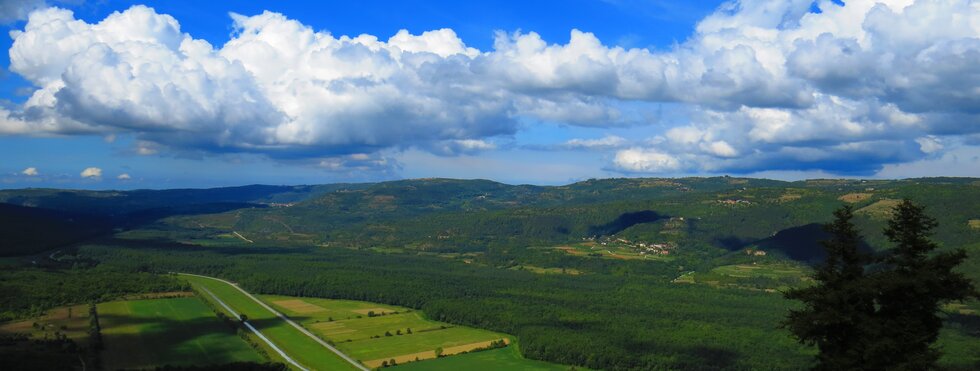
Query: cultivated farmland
374	333
175	331
497	359
71	321
297	345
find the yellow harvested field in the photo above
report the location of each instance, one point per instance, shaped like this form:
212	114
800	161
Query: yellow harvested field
974	223
334	330
448	351
881	209
299	306
375	310
468	347
855	197
790	197
328	325
571	250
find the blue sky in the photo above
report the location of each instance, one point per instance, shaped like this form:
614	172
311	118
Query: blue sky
113	94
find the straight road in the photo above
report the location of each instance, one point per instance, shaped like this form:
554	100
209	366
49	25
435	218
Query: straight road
352	362
256	331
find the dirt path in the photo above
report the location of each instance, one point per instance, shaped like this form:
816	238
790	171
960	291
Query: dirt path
242	237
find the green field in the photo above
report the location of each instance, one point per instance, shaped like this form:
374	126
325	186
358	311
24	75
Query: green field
760	270
304	350
497	359
177	331
768	276
347	324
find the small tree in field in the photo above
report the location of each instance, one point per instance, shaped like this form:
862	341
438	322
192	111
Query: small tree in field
838	309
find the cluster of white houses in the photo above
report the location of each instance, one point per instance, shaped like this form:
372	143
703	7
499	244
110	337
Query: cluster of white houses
644	248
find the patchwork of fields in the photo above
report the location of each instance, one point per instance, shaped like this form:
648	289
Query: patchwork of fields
71	321
180	329
300	347
374	333
146	333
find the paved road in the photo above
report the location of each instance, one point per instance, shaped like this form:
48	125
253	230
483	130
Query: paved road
256	331
289	321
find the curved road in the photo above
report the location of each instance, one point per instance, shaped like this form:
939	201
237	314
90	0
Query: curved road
350	360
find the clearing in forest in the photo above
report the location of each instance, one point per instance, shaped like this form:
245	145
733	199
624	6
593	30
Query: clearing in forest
855	197
787	197
71	321
879	210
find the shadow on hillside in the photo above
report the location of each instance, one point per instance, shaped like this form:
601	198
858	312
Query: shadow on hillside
731	243
698	357
176	246
802	243
626	220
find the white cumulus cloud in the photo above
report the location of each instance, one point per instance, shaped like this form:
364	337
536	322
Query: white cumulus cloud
764	82
646	161
929	144
31	171
123	176
91	172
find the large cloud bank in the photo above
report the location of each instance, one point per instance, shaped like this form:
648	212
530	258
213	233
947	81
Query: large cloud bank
768	85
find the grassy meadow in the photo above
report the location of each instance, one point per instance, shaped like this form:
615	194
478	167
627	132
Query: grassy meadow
175	331
765	275
496	359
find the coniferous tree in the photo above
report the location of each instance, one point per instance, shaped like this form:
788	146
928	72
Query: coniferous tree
914	281
838	309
